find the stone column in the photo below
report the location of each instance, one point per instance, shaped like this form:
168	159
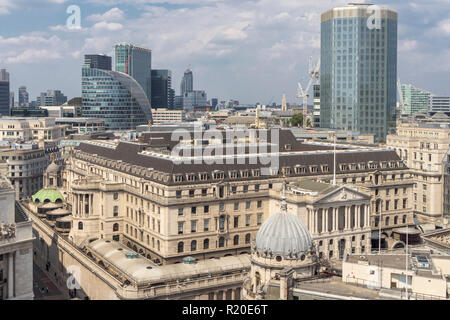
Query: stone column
357	216
324	221
347	218
233	294
11	275
316	221
335	220
367	214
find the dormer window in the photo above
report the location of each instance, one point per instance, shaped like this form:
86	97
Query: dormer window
314	169
353	166
218	175
256	173
244	173
203	176
325	168
233	174
287	170
190	177
362	166
300	169
344	167
372	165
178	178
287	147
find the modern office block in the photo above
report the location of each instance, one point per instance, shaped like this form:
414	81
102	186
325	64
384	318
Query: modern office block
161	88
136	62
187	83
415	99
98	61
4	93
359	69
115	97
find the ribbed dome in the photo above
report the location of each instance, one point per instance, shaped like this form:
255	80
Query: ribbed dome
283	233
53	168
47	195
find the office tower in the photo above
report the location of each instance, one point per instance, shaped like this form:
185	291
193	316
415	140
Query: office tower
316	95
161	86
51	98
359	69
214	103
11	99
115	97
194	99
178	103
4	93
439	104
23	97
187	83
171	98
415	99
98	61
136	62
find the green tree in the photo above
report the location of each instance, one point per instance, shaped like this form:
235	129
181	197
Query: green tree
297	120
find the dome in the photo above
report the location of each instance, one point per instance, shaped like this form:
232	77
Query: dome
47	195
53	168
283	233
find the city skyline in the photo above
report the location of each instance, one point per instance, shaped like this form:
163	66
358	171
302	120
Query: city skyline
229	44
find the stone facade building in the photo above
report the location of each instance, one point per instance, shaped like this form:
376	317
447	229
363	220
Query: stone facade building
423	146
16	247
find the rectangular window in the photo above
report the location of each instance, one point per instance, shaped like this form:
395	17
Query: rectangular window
247	220
194	210
247	205
206	209
259	204
259	221
180	227
236	222
194	226
206	225
236	206
180	211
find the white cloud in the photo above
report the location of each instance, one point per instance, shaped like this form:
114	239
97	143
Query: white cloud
111	15
6	6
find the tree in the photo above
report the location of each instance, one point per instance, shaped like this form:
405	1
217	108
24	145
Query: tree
297	120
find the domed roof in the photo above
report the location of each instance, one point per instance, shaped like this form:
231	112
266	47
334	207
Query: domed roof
53	168
45	195
283	233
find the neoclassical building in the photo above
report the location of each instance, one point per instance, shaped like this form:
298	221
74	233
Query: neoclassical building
282	254
337	217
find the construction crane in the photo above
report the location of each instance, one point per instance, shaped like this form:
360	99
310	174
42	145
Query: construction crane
314	76
400	94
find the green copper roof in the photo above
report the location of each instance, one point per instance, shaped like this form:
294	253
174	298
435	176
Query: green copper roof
44	195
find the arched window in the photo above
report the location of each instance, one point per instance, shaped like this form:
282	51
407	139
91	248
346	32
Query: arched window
206	244
194	245
127	228
153	242
404	219
387	221
80	225
247	238
395	220
148	239
221	242
180	247
157	245
115	227
101	226
236	240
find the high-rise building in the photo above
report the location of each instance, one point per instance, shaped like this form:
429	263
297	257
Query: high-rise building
136	62
161	86
214	103
98	61
194	99
4	93
23	97
171	98
11	99
51	98
415	99
187	83
359	69
115	97
439	104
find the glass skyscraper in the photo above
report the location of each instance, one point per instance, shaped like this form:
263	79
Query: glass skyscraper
115	97
359	69
187	83
161	89
98	61
136	62
4	93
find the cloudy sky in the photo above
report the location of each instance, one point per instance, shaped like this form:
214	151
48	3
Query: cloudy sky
250	50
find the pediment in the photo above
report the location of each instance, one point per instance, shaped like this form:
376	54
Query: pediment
343	194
